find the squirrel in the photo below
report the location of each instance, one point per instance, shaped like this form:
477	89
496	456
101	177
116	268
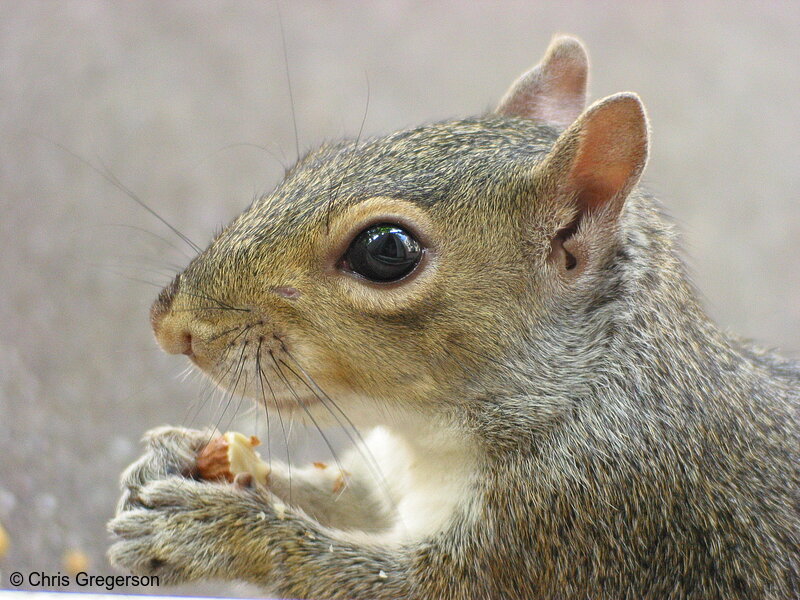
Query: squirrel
551	412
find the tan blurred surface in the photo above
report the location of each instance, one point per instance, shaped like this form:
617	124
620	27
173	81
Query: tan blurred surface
168	95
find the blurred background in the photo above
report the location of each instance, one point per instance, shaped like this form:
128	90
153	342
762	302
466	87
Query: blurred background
187	105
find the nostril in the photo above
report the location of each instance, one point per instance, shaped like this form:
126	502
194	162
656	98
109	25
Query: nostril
187	345
175	338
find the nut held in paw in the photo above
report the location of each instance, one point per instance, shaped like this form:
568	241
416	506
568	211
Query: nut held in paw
230	454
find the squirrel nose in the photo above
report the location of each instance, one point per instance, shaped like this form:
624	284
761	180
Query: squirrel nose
174	338
173	335
172	332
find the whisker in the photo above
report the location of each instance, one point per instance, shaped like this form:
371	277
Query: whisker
289	82
248	412
212	388
280	419
361	447
131	349
195	408
239	369
255	409
324	396
137	279
142	261
110	177
115	268
185	373
116	183
212	299
226	332
206	394
198	308
207	390
153	234
264	399
241	399
116	271
240	334
332	199
272	155
307	412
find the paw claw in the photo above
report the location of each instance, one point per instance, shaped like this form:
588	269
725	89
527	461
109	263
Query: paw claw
244	481
171	452
165	493
172	437
133	523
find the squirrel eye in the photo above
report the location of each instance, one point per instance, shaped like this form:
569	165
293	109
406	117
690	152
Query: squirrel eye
383	253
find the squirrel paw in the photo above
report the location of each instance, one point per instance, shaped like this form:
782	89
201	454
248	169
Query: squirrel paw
170	451
184	530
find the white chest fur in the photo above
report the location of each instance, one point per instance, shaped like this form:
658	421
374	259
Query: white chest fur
429	474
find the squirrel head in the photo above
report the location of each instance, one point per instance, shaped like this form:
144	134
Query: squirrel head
401	272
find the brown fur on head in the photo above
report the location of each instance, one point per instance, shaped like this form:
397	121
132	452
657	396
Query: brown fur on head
514	218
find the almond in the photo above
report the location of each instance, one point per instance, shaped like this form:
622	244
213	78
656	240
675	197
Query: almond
230	454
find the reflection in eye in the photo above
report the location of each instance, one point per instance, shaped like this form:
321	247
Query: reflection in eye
384	252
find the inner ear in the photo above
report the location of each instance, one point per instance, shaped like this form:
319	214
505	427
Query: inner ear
566	253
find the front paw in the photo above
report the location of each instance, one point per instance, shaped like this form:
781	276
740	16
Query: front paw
186	530
169	451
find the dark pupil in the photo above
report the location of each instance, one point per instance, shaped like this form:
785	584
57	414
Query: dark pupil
384	253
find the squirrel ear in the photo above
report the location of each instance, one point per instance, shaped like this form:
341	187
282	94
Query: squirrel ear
594	165
554	91
599	159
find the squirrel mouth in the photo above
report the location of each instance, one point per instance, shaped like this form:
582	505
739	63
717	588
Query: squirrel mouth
274	383
290	403
253	360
